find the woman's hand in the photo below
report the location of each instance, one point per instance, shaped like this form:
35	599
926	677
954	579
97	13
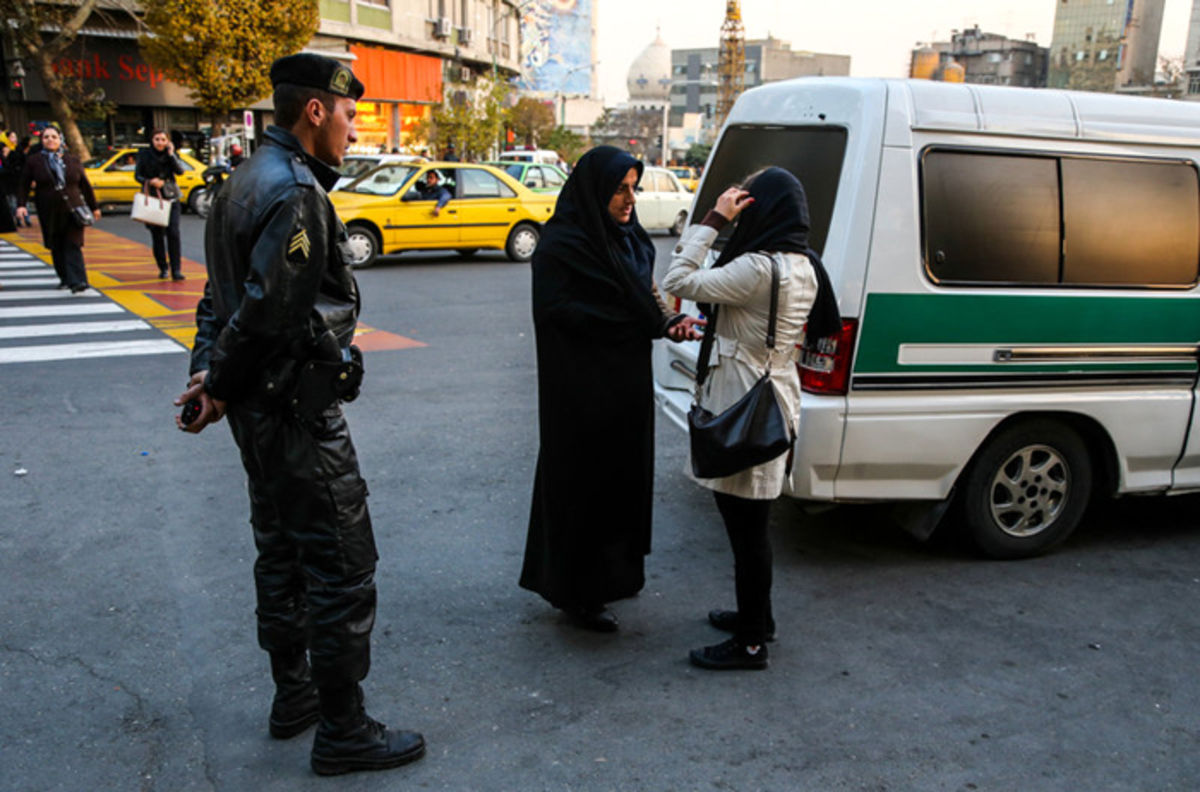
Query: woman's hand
22	213
689	328
156	183
731	202
97	212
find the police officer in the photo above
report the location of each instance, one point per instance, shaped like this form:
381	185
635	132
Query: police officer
273	353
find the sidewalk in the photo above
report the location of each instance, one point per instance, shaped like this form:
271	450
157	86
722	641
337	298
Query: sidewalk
125	272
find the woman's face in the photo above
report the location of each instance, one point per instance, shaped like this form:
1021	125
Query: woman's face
159	141
620	208
51	140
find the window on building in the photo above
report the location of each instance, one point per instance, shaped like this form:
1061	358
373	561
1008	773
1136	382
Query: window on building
1194	84
1004	219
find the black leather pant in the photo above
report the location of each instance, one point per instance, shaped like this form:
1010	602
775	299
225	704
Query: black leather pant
165	242
746	524
315	573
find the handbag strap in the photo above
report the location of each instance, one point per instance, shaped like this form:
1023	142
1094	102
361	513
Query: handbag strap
710	330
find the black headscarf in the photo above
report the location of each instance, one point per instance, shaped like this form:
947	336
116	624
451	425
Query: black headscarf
583	236
777	220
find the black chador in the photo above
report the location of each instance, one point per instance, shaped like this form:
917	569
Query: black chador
595	314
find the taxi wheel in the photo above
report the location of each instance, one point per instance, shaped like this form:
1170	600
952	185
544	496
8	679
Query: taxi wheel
1027	489
362	246
522	241
680	222
199	201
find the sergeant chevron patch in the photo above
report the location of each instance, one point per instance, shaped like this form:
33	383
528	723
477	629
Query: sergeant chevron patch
299	246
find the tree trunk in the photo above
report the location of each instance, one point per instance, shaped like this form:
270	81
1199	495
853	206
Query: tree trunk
60	107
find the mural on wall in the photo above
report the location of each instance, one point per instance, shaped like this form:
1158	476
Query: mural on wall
556	46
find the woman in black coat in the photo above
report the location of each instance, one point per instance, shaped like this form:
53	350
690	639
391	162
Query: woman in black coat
595	313
60	183
157	167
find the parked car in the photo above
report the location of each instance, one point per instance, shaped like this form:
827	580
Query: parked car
539	178
1018	273
686	176
544	156
355	165
662	202
384	213
112	179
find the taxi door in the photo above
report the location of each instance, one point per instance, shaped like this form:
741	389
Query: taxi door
486	208
114	182
411	223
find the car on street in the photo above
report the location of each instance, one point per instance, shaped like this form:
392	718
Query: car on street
686	175
355	165
544	156
662	202
537	177
112	179
385	214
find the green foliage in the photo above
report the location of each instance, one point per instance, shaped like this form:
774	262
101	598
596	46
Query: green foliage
472	120
532	120
569	145
697	154
222	50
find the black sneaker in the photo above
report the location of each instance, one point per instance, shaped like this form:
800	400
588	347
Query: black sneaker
727	620
368	745
730	656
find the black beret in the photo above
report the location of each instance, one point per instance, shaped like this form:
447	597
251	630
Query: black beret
316	71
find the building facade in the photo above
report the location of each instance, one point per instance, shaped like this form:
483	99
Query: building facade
984	58
693	89
408	53
1105	45
1191	56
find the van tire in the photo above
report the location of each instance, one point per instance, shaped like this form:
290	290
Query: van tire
1027	489
680	223
363	244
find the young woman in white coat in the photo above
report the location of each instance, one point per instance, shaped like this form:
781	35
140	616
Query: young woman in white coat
772	225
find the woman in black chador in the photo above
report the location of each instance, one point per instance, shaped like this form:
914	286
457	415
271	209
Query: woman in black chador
595	312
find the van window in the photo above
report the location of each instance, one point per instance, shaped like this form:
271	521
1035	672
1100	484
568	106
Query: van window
813	154
991	218
1140	220
1069	221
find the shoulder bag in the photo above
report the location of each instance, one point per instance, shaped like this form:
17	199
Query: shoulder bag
751	431
151	210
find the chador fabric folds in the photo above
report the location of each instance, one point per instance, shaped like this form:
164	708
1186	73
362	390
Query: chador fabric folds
595	313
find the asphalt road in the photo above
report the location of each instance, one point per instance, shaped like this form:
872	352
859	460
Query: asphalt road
128	659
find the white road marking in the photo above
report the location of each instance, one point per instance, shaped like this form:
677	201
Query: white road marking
9	273
8	282
71	328
47	294
11	264
61	309
96	349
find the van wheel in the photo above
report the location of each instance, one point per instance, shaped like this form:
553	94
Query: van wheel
362	246
680	222
522	242
1027	489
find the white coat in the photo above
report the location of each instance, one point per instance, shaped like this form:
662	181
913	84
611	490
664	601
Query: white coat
743	290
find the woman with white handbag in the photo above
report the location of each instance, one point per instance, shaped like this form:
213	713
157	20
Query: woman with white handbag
156	169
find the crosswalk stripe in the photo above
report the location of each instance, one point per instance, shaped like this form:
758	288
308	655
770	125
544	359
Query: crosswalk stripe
71	328
8	282
93	349
10	273
61	309
48	294
11	265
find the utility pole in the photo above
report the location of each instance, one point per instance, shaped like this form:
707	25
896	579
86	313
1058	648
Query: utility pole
731	67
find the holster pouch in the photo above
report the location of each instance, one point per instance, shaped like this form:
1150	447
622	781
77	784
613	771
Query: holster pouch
320	383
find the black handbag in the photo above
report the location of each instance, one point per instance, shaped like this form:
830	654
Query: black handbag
751	431
82	216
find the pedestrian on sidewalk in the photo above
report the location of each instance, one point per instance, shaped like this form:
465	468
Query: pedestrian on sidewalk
273	352
770	239
60	184
8	184
156	168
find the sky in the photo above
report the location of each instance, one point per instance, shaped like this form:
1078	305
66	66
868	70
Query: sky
878	35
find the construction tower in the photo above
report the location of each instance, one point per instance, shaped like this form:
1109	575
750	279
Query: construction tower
731	68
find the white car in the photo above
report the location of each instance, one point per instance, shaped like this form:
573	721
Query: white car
355	165
662	202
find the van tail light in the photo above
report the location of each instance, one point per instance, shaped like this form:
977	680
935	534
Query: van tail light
827	369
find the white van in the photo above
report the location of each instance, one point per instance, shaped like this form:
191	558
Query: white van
540	156
1017	274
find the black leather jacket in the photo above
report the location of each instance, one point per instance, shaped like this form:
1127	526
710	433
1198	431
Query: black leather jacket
279	288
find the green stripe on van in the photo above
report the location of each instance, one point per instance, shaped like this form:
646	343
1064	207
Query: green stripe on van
890	320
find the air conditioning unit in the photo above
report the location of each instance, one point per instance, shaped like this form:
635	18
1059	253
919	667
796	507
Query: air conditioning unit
464	36
464	74
441	28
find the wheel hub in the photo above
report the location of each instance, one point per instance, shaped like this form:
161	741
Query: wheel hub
1030	490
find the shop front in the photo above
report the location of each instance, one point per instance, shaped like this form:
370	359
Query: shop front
402	88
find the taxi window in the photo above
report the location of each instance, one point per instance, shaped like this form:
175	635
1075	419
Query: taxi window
533	178
514	171
481	184
353	168
553	177
385	180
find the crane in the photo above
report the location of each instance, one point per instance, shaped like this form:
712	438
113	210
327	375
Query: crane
731	67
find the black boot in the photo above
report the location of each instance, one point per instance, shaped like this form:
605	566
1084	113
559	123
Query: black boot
296	706
348	739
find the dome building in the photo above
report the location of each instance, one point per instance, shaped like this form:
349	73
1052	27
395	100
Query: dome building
649	80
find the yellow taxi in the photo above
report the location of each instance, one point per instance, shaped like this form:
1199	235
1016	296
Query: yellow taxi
686	175
111	176
385	213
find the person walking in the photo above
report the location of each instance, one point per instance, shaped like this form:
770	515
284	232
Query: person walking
273	353
595	313
156	169
8	184
736	294
60	184
14	164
